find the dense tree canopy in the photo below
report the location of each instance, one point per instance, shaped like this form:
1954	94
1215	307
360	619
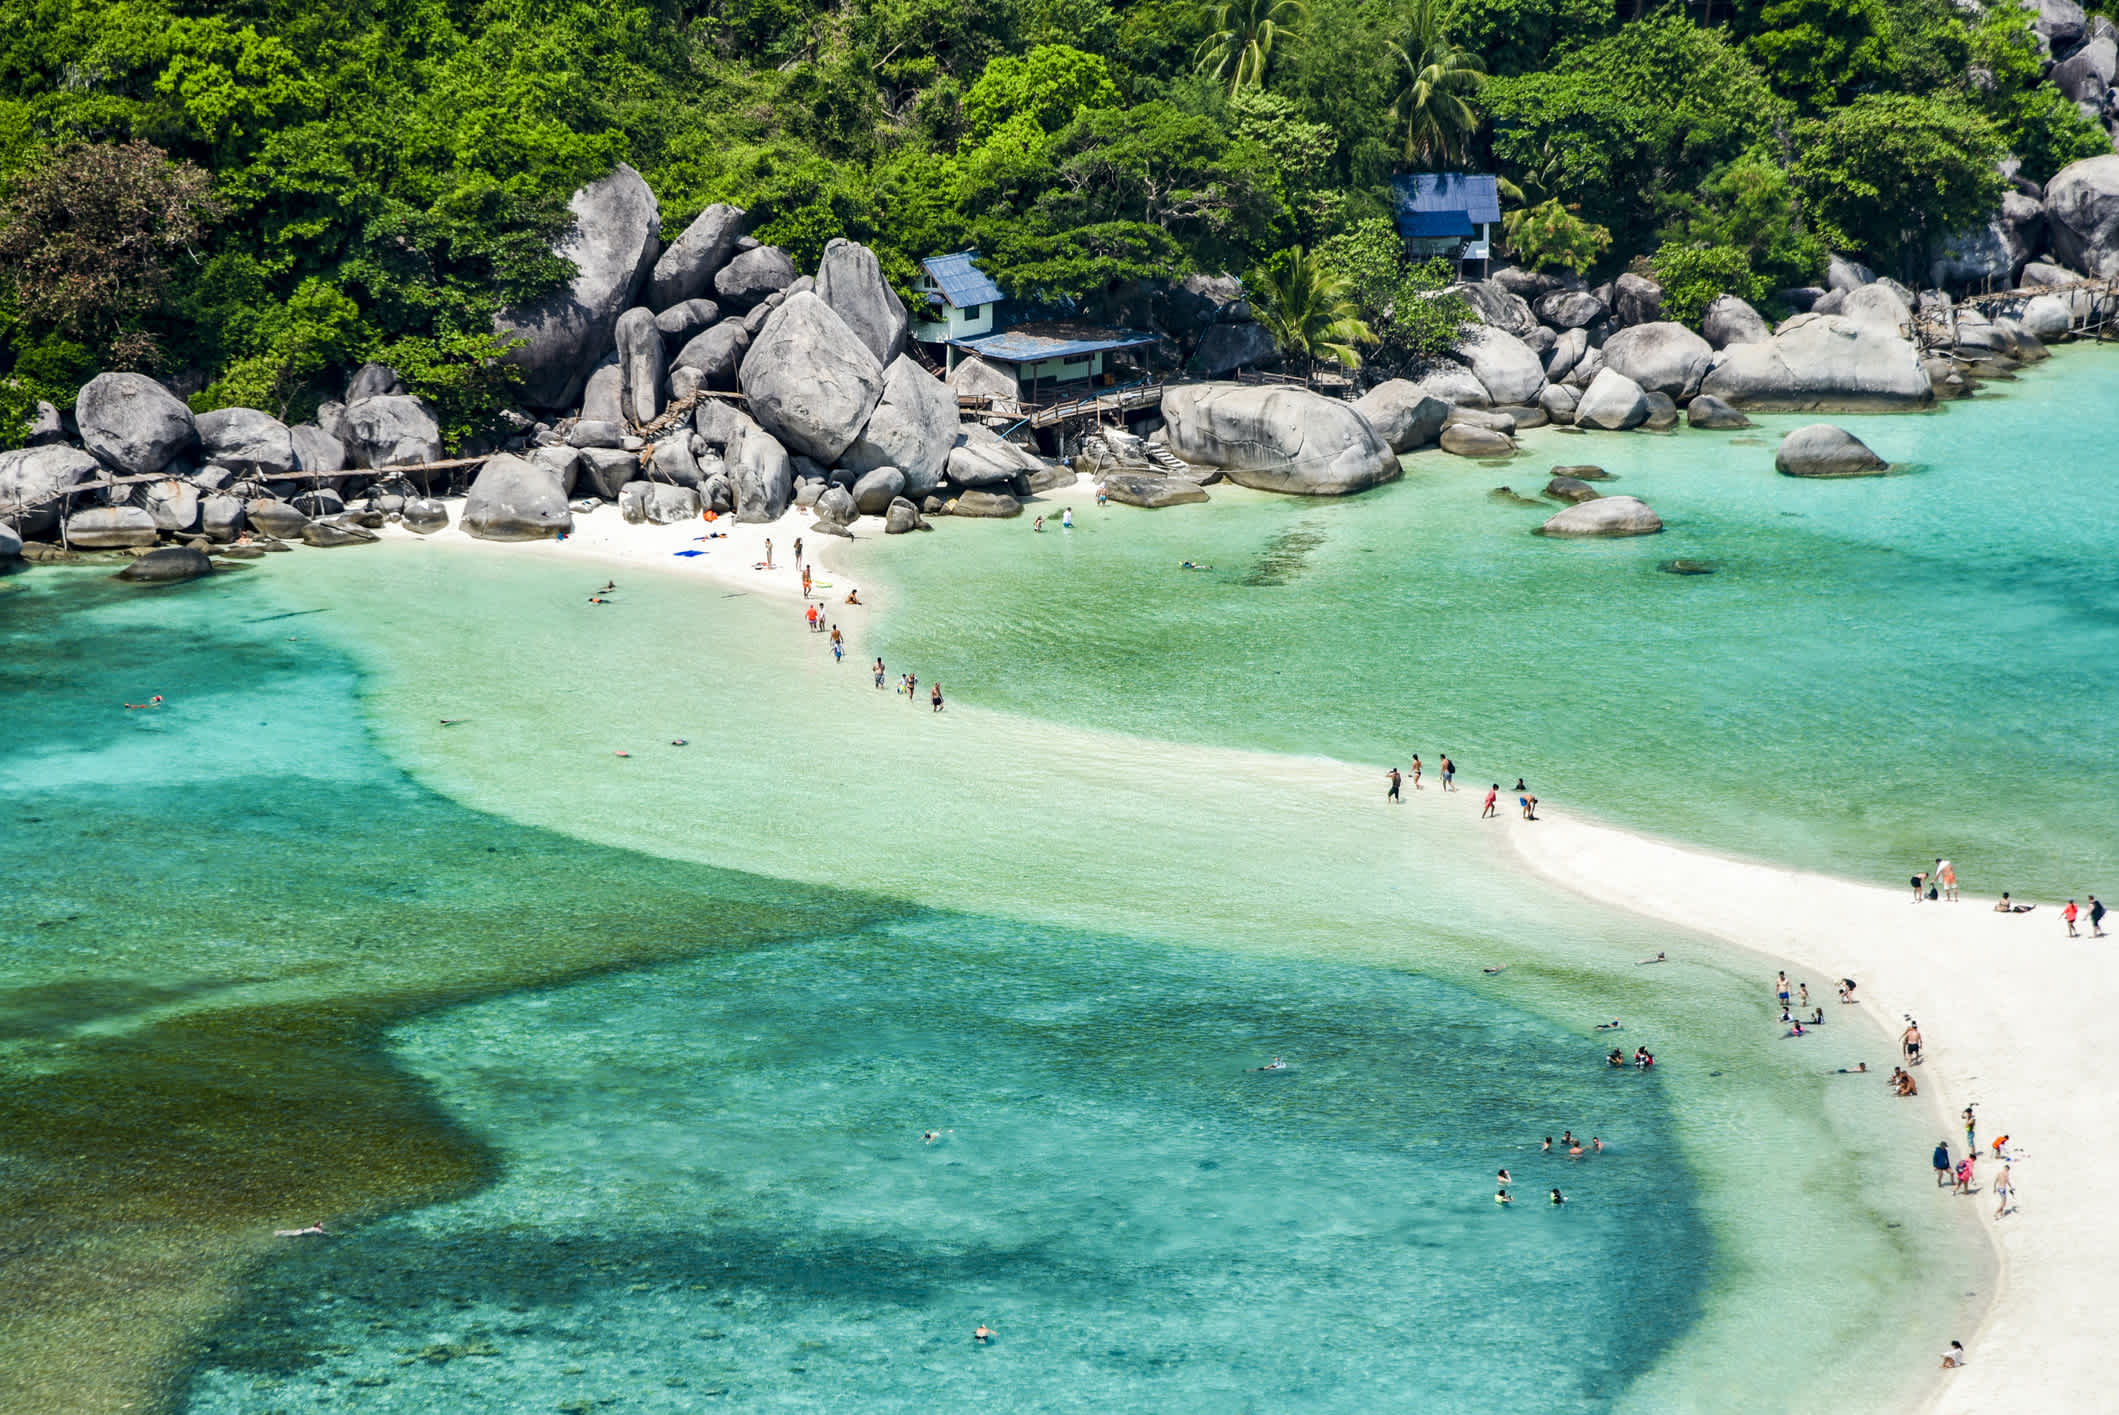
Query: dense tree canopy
310	185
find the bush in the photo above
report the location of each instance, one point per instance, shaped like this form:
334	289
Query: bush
1550	234
1693	276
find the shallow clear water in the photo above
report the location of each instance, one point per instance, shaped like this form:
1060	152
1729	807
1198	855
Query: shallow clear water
657	1035
1880	670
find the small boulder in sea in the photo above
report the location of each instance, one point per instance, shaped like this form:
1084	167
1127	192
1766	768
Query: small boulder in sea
274	518
1662	412
1686	567
327	535
1710	414
167	566
1510	495
1467	441
1822	450
1149	490
1583	471
1605	516
1570	490
902	516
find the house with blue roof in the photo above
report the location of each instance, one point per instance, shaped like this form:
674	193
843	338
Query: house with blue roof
963	315
1447	214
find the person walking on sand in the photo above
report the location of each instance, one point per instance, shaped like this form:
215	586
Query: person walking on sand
1492	795
1392	794
1416	771
1941	1160
2068	916
1947	873
1449	773
1964	1176
879	675
2096	917
1920	885
798	558
805	579
2004	1189
1909	1042
934	695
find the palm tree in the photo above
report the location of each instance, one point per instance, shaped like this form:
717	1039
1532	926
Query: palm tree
1433	99
1242	39
1308	310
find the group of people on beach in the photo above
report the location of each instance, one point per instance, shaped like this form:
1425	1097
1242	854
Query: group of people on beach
1938	884
1526	803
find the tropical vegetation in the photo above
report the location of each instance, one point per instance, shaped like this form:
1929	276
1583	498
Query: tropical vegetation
247	197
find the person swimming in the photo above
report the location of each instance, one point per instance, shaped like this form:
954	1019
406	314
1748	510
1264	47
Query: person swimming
314	1230
1493	970
1659	958
155	701
1276	1064
1611	1026
1558	1197
982	1333
1503	1177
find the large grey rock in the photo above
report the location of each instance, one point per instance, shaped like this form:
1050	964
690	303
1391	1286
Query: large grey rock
763	477
515	499
327	535
2048	317
640	365
1151	490
588	433
753	276
874	492
913	429
982	458
221	518
1491	418
809	380
1504	365
1405	415
718	353
1277	438
46	425
174	504
316	451
425	516
168	566
2082	215
850	280
132	423
1558	402
1530	284
603	396
1458	387
1572	490
606	469
1586	368
1541	341
1843	274
1465	440
2042	272
681	321
1612	402
1729	320
902	516
1225	348
2059	24
372	380
10	543
667	505
612	245
673	462
1661	356
719	423
986	503
391	431
1822	450
323	501
246	440
1824	362
1881	306
562	462
1710	414
973	377
835	506
687	269
110	528
1635	299
274	518
1567	350
1496	306
1570	309
31	479
1605	516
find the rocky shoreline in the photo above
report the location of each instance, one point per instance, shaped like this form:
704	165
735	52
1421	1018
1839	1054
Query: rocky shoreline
712	378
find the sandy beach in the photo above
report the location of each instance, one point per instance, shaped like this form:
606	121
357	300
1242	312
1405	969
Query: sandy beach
2010	1010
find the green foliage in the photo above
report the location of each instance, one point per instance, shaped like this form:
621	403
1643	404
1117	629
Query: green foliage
1400	300
1653	109
1693	276
1433	103
1816	52
1242	35
1047	86
1309	309
1749	206
319	327
1519	36
463	375
1550	235
18	413
1881	175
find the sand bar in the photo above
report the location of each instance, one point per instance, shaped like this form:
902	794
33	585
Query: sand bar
2013	1013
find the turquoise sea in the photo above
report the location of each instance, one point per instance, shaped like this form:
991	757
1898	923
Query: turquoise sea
614	1073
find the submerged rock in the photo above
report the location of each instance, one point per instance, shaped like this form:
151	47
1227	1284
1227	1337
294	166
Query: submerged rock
985	503
1464	440
1147	489
1822	450
1571	490
1711	414
167	566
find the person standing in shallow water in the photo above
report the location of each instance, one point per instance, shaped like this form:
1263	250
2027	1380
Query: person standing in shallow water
1449	773
1486	812
1392	794
935	695
1416	771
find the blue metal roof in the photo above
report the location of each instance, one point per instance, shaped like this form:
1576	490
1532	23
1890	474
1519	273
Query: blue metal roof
963	284
1434	223
1472	193
1018	347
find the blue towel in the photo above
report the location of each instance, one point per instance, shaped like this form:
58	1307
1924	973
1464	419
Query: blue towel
688	552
